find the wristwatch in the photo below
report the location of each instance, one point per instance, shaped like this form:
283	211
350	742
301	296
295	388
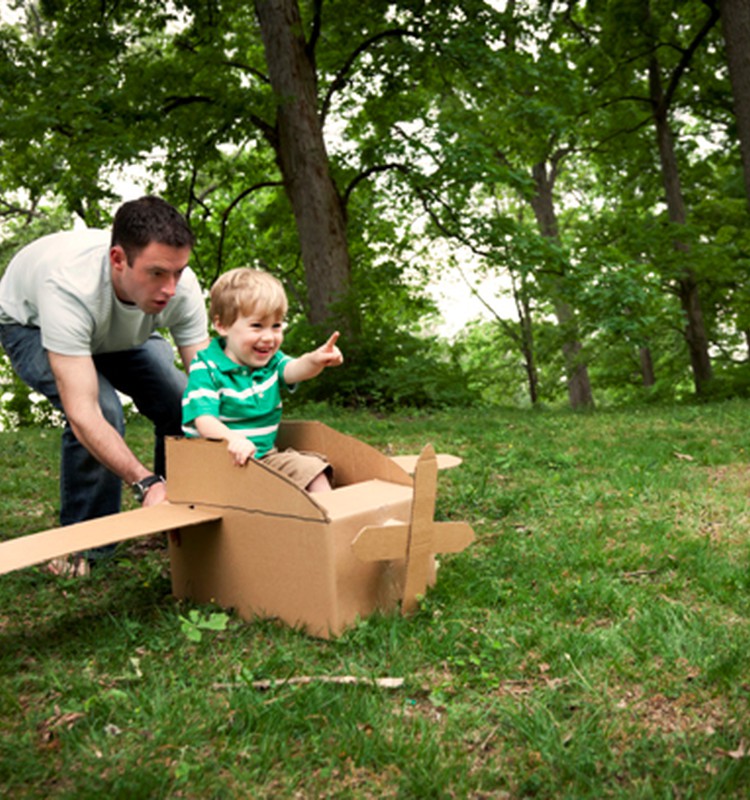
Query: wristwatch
140	488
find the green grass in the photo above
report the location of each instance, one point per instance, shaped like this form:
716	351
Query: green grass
594	642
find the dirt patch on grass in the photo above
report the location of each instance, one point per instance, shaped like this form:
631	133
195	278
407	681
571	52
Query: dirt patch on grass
657	713
717	508
733	478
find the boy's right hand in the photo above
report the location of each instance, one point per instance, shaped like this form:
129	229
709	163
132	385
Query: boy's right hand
328	355
241	450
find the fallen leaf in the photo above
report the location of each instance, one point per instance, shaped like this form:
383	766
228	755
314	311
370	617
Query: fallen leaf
742	751
48	728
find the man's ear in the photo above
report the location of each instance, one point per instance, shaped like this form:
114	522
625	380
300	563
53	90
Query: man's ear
117	258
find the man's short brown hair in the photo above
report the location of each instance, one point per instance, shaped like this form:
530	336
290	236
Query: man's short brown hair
138	223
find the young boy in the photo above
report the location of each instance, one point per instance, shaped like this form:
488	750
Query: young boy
234	386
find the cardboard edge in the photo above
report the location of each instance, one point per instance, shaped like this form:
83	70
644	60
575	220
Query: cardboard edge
354	459
409	462
275	480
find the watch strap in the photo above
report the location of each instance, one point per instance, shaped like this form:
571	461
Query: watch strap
141	487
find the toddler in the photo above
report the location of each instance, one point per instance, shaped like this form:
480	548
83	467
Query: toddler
234	386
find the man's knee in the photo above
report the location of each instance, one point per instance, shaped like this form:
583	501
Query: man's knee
23	346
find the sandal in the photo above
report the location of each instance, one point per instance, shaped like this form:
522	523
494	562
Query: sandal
64	567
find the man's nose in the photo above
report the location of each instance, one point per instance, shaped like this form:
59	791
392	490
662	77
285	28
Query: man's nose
170	285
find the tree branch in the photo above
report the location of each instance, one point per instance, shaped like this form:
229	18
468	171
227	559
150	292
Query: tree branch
317	25
182	44
508	327
225	218
171	102
688	53
363	176
341	78
11	209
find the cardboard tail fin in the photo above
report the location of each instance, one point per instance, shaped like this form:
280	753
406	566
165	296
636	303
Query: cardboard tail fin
420	539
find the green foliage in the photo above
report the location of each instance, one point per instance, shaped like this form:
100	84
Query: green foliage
20	230
387	368
408	372
494	369
195	623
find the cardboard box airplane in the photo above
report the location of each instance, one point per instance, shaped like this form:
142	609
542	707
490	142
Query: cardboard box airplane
249	539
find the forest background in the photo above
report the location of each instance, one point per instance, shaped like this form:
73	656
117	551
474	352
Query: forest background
588	156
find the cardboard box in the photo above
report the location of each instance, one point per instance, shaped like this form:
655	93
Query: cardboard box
247	538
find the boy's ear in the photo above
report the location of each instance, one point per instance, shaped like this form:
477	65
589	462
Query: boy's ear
218	327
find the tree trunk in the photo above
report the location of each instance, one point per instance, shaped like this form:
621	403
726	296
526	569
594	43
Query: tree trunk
302	157
579	385
648	375
695	332
526	336
687	286
735	23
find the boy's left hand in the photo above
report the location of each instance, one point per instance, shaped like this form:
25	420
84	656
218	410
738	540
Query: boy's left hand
328	355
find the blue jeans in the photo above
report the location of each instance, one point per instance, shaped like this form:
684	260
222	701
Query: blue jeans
147	374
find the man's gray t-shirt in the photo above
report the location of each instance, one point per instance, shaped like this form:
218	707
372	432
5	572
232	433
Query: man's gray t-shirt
62	284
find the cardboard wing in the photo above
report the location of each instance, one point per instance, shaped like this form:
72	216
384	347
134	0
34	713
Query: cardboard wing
409	463
25	551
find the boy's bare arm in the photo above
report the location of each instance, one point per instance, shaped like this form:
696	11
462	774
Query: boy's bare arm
313	363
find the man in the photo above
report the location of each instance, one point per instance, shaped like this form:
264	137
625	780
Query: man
79	311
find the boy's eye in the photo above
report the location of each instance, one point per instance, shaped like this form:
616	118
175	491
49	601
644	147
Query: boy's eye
259	326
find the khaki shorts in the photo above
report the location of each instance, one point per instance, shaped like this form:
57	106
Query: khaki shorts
300	467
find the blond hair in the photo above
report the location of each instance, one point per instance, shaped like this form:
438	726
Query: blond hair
247	292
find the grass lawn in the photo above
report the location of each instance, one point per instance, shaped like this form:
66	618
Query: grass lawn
594	642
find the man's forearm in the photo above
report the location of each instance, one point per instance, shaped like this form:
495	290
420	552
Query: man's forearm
109	448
